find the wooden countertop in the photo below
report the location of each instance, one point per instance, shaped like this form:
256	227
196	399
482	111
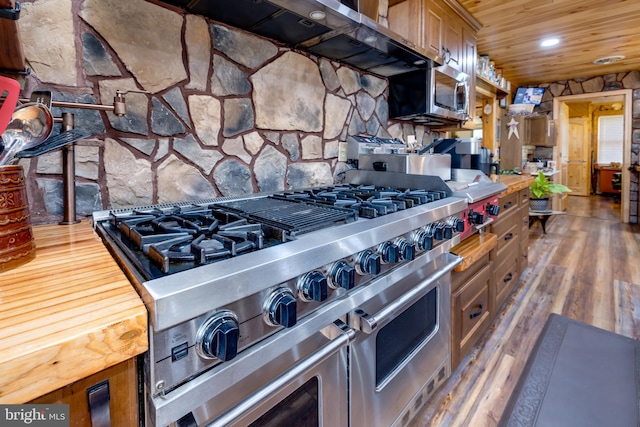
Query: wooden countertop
67	314
513	182
473	248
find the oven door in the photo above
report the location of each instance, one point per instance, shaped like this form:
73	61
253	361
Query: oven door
304	386
402	353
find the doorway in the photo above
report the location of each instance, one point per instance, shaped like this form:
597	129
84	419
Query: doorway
569	153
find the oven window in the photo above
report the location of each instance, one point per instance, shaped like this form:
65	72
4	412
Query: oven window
299	409
398	338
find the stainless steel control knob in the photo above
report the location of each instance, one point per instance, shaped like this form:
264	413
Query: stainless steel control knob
342	275
456	223
407	250
389	252
477	218
312	286
437	230
368	262
493	210
218	337
423	238
280	308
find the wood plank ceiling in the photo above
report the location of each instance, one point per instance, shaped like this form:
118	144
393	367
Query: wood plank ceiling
587	29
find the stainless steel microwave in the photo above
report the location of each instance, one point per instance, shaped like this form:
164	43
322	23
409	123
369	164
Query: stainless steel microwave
437	95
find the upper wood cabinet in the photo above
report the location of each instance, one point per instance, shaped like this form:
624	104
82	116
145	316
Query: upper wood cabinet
369	8
405	18
468	66
452	40
433	35
436	27
445	30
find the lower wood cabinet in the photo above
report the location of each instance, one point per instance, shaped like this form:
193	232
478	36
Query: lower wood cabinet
481	288
506	277
512	229
471	307
122	397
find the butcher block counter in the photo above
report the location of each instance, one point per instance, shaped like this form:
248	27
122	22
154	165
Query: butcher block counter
513	182
69	313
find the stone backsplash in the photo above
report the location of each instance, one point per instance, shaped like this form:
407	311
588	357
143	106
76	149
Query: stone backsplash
211	110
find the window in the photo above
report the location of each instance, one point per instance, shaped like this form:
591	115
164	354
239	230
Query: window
610	133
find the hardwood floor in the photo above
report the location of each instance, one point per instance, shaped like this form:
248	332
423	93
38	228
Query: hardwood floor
586	267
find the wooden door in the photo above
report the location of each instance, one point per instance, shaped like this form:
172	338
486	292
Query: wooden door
578	157
560	156
433	28
453	40
469	57
405	18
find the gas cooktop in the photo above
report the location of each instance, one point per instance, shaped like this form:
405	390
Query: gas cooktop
167	239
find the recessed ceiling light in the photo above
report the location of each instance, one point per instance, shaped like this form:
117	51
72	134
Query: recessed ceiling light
317	15
549	42
608	59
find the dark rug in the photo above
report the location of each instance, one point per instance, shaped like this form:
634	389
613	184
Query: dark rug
577	375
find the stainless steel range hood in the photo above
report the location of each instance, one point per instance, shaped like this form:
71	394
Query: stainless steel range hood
326	28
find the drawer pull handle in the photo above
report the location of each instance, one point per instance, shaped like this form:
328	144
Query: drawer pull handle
508	237
98	398
507	278
508	205
477	313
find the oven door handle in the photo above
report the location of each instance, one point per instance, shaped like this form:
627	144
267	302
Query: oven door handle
342	340
368	323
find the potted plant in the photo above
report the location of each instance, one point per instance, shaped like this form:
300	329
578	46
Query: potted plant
541	189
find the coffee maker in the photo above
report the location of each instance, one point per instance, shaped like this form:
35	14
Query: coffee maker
467	153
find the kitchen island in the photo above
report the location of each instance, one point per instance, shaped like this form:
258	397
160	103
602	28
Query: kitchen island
66	315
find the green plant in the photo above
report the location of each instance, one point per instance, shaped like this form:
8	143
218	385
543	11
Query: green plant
543	188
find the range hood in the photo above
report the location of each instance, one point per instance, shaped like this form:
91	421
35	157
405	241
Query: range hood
328	28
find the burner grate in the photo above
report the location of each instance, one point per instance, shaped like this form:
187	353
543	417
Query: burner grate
290	215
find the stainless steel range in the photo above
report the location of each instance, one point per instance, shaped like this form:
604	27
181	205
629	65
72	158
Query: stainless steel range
253	301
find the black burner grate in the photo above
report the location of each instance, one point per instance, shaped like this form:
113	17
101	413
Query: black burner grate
291	216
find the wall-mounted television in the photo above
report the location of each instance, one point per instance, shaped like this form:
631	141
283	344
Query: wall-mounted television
528	95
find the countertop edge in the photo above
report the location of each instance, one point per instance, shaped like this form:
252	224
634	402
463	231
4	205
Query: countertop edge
61	321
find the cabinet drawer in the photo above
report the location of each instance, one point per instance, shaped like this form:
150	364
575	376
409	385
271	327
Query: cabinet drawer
508	245
508	204
524	258
524	213
459	278
506	277
507	229
470	313
524	198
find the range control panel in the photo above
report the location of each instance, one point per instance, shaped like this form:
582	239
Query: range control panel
479	214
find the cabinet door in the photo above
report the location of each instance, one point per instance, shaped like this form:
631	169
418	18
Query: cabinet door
453	40
469	58
512	132
433	28
471	313
369	8
540	131
405	18
122	396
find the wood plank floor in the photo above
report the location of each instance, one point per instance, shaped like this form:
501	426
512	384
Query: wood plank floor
586	267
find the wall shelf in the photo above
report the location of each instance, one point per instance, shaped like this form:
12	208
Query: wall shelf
484	85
